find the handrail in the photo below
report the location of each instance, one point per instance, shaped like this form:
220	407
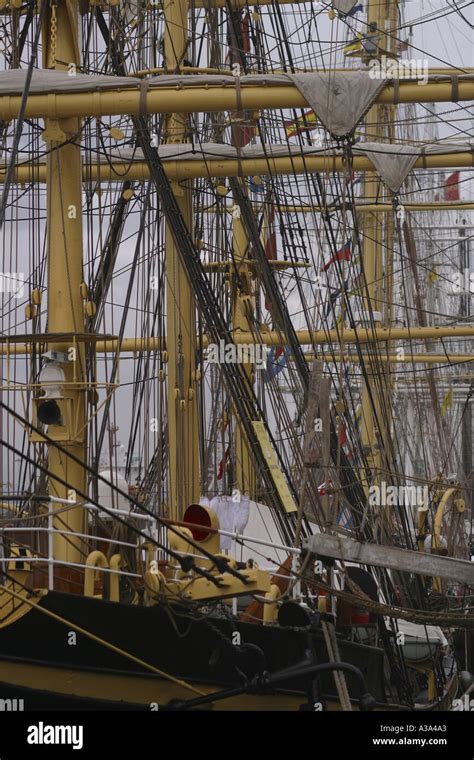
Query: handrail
69	532
46	561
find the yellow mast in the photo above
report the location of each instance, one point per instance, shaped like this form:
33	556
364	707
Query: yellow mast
181	311
64	276
372	413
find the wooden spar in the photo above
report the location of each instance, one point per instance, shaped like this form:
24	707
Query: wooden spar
274	338
178	170
206	98
421	563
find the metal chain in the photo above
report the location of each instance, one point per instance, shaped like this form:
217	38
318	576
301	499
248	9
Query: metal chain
53	37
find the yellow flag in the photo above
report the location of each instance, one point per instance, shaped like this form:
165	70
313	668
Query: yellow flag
353	47
447	402
303	123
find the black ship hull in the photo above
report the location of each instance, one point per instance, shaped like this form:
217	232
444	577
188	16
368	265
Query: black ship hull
136	657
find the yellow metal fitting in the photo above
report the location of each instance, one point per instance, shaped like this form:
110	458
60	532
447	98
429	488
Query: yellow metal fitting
94	560
30	311
90	309
116	133
270	611
36	296
115	564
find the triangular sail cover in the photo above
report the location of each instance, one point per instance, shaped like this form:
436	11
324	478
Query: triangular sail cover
344	6
393	163
339	99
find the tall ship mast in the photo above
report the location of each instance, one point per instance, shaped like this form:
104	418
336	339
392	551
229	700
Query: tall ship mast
236	353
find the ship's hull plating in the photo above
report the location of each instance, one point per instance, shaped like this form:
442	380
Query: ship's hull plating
156	655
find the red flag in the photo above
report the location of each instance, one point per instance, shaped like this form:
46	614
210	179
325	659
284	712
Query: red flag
222	463
352	179
342	433
451	187
323	486
343	255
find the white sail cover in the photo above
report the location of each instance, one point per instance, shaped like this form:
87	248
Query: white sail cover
344	6
209	151
189	152
346	92
44	81
384	156
339	99
393	163
233	516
